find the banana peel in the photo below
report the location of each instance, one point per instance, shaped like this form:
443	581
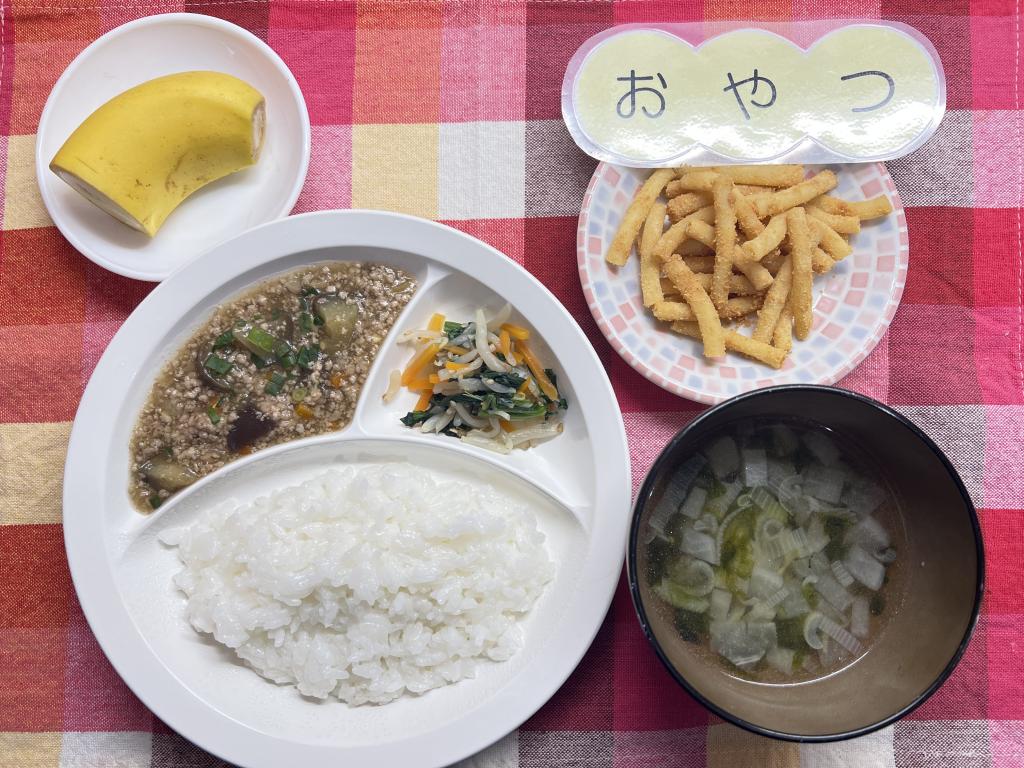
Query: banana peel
141	154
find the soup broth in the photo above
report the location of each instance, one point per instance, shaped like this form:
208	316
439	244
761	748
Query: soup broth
776	550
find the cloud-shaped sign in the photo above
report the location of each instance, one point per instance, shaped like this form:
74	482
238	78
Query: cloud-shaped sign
644	96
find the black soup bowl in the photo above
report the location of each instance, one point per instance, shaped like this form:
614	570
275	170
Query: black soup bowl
941	571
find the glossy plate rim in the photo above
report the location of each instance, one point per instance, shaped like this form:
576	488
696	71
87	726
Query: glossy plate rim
85	491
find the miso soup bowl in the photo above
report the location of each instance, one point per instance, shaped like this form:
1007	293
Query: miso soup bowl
923	640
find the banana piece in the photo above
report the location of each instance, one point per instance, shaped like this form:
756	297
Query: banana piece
143	152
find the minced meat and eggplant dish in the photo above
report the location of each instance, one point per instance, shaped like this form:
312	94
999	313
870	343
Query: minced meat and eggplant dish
285	360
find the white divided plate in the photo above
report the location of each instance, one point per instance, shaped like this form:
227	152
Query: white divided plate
142	50
578	482
853	304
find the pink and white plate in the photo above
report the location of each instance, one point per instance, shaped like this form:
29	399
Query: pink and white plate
853	305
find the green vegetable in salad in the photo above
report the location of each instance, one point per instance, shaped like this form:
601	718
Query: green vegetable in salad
485	384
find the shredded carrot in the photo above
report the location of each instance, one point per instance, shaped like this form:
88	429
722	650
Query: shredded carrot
456	366
538	372
516	332
424	402
422	359
336	379
456	350
506	426
303	411
419	385
434	378
524	388
436	322
506	347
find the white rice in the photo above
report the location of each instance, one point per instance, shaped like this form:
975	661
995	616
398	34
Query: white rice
365	583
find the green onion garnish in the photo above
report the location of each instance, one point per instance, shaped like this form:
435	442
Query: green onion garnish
226	339
275	384
217	365
299	394
214	416
262	340
306	321
308	355
285	354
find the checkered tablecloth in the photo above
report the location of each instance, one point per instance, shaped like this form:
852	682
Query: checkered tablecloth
451	111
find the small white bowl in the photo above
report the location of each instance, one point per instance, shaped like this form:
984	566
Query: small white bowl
142	50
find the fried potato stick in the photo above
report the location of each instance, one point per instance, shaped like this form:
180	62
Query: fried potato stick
774	302
693	248
681	206
735	342
752	228
618	251
650	269
874	208
782	336
725	239
741	306
705	214
844	225
746	215
697	181
763	175
751	189
831	241
758	275
699	301
679	232
674	309
800	255
670	311
771	236
703	233
700	263
797	195
738	284
672	238
821	262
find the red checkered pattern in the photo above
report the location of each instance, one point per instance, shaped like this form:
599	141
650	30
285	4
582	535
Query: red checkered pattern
451	110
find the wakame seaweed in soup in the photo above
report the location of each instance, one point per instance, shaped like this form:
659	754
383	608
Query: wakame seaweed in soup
776	549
